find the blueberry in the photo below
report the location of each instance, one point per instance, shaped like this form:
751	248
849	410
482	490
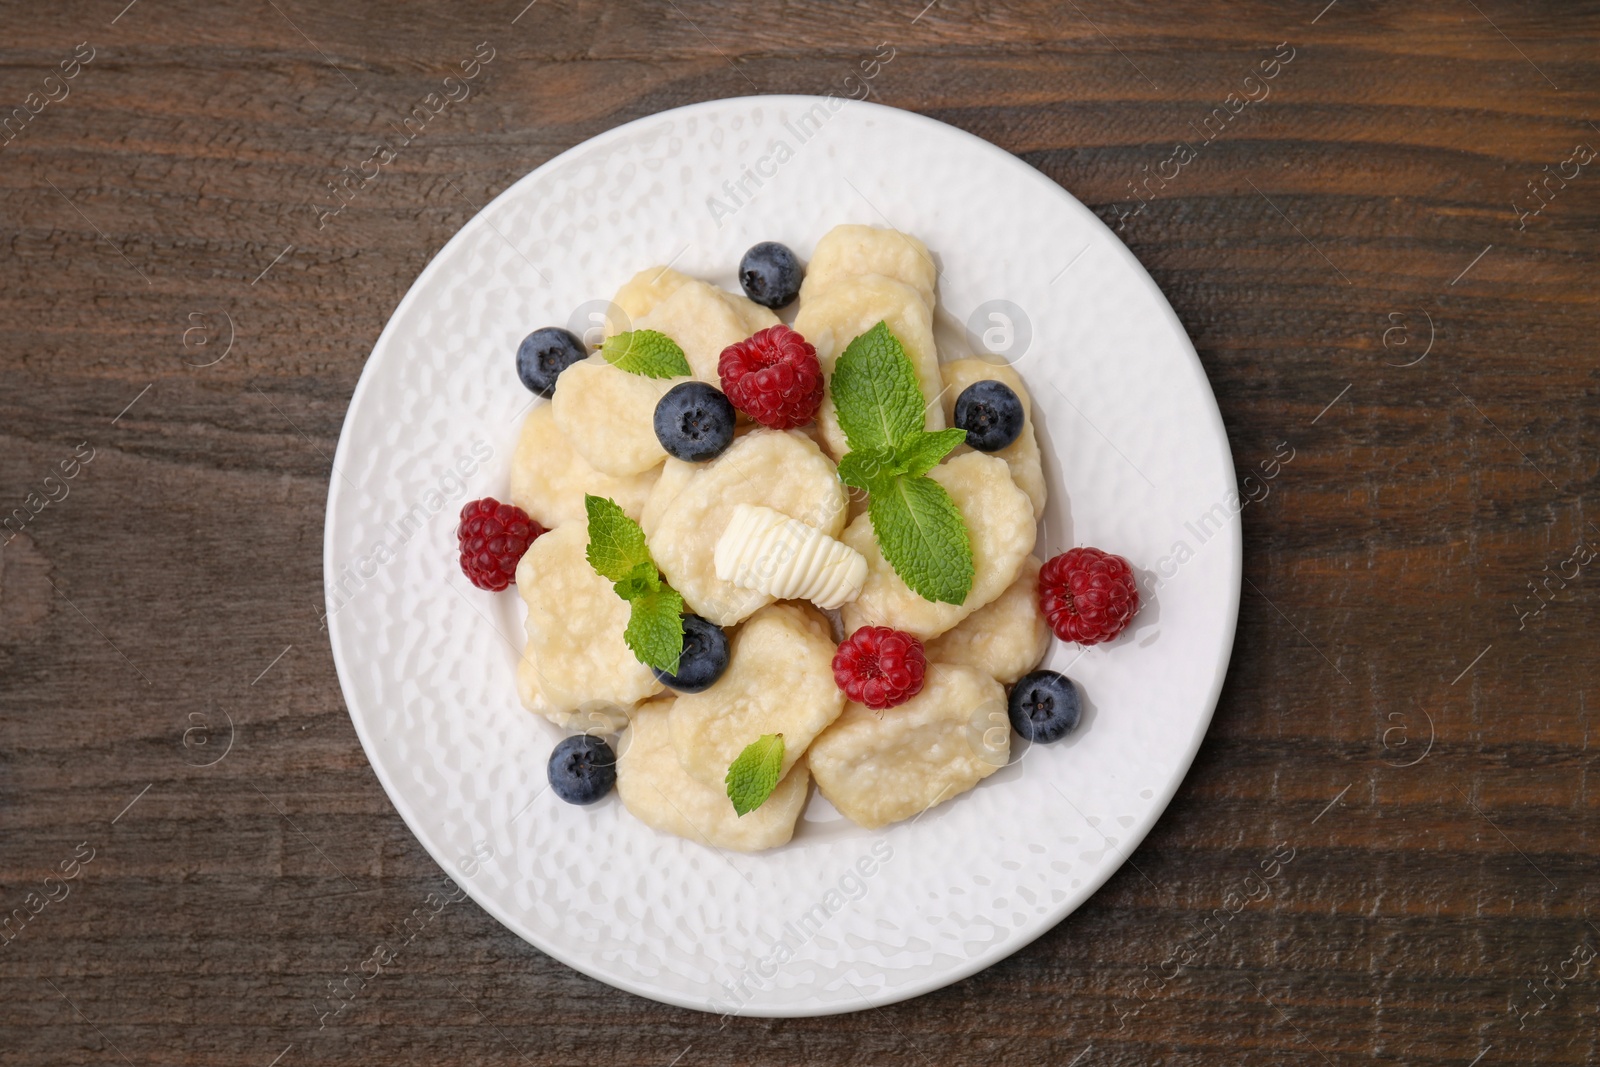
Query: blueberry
694	422
582	769
704	658
544	354
990	413
770	274
1044	707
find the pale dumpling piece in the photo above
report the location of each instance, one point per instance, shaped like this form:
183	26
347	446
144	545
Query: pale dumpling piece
594	717
609	415
831	318
782	470
575	623
654	786
704	320
640	294
1005	638
779	681
675	474
755	317
1021	455
853	249
549	477
879	768
1002	530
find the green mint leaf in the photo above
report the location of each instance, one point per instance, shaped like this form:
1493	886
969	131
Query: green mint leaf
868	467
875	391
921	452
617	551
655	628
616	544
754	774
643	579
646	352
922	535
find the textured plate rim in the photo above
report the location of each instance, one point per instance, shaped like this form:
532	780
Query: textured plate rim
935	979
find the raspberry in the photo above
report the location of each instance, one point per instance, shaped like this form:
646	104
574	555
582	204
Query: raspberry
1088	595
493	537
773	377
880	667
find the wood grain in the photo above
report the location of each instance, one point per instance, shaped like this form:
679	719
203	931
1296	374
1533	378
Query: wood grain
177	585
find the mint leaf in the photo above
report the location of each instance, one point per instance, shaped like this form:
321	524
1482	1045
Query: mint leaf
882	412
616	544
753	775
922	451
646	352
617	551
922	535
643	579
865	468
875	391
655	628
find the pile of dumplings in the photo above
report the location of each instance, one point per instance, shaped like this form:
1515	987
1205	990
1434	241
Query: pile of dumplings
596	436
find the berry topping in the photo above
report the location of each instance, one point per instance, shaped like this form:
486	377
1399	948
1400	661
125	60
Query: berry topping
493	537
582	769
1088	595
880	667
773	377
694	422
990	413
770	274
704	657
1044	707
544	354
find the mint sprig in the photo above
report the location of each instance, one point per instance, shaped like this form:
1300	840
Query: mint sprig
655	628
918	527
915	519
921	451
875	391
753	774
646	352
618	553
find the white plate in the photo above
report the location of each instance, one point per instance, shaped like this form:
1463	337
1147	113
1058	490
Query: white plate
841	918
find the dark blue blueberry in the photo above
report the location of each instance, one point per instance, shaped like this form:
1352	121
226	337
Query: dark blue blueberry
770	274
1044	707
704	658
990	413
582	769
544	354
694	422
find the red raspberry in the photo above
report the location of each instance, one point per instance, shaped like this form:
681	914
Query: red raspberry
493	537
773	377
880	667
1088	595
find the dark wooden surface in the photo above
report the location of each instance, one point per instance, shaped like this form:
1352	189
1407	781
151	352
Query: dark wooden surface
1441	903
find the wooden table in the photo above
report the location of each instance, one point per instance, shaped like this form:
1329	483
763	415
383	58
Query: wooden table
1385	254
